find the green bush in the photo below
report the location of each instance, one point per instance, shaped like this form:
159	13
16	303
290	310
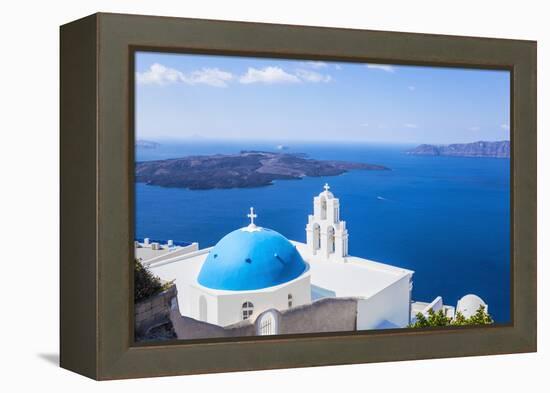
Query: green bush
438	319
146	284
481	317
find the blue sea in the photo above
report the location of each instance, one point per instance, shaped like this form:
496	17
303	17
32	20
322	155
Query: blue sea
446	218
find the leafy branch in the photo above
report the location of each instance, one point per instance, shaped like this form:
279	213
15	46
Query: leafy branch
146	284
439	319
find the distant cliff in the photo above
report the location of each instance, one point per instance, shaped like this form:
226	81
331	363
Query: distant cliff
247	169
500	149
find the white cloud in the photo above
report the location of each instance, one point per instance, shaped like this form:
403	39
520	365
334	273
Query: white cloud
158	74
410	125
272	75
316	64
474	128
365	125
411	88
209	76
382	67
505	126
337	66
312	76
268	75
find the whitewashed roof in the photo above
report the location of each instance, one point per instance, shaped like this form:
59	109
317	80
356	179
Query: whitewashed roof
469	304
356	277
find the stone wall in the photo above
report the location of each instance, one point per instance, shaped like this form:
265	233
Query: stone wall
325	315
188	328
153	311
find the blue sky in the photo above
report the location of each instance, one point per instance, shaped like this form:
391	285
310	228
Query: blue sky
226	97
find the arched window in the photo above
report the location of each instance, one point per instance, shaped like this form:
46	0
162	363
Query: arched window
290	300
316	237
323	208
247	309
331	240
203	314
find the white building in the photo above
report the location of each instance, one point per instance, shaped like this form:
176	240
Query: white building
469	304
148	252
254	269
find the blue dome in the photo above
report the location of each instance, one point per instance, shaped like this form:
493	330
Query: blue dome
251	259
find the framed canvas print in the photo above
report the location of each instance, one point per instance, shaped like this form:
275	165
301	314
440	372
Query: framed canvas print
240	196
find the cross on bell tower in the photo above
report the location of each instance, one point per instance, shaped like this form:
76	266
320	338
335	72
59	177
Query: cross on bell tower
326	187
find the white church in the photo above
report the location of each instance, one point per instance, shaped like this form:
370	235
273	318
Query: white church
255	269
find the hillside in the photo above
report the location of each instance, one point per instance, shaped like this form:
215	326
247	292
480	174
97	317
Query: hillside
243	170
500	149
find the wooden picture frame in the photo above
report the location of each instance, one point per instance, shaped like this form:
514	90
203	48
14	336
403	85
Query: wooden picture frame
97	195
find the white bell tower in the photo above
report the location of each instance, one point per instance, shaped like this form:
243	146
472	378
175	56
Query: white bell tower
326	234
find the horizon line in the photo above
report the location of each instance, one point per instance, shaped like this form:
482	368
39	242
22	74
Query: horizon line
294	141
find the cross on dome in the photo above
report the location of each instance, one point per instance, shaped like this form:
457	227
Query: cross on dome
326	187
252	227
252	216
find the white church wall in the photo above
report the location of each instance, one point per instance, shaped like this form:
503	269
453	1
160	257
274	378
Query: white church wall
387	308
190	304
316	208
230	304
339	245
